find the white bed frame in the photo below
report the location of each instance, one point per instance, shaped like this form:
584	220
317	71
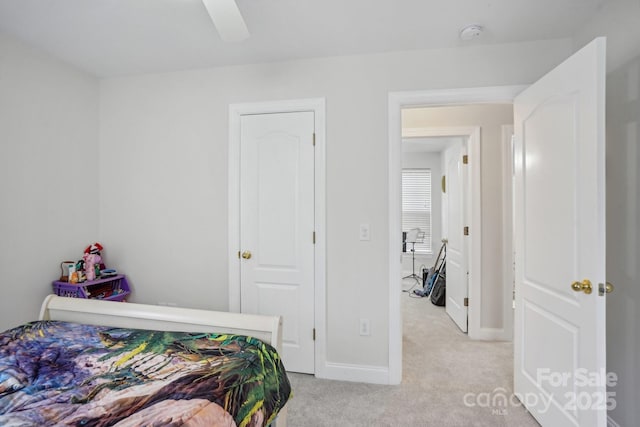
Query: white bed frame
163	318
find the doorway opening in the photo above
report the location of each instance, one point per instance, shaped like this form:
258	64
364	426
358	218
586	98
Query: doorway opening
442	152
477	325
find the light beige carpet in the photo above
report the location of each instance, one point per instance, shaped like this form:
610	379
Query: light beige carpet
442	369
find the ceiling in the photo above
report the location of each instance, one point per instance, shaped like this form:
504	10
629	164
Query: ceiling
122	37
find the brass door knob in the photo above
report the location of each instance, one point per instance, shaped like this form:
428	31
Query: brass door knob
584	286
246	254
609	288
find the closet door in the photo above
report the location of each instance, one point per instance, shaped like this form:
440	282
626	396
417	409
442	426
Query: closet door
277	227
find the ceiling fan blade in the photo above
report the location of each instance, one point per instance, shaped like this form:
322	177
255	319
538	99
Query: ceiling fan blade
227	19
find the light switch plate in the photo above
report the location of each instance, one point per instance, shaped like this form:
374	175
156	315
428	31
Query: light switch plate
365	327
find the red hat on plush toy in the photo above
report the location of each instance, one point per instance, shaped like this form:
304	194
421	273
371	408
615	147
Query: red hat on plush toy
94	248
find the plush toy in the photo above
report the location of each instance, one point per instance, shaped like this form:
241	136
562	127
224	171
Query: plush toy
93	248
90	263
92	260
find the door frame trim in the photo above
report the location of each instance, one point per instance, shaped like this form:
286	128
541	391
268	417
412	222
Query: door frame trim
318	107
397	101
508	245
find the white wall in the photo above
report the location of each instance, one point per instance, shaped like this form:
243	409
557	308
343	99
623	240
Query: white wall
163	152
620	22
490	118
48	174
431	161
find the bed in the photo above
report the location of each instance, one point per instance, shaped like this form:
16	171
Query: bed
100	363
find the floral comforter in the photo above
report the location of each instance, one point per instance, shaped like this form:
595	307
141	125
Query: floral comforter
58	373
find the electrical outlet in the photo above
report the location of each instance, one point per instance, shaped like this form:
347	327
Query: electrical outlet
365	327
365	233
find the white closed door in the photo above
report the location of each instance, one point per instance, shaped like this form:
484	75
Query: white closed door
456	261
559	228
277	227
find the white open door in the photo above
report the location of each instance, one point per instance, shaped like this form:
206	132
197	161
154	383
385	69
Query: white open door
560	369
277	227
454	197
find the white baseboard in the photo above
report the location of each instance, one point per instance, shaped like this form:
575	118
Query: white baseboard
355	373
490	334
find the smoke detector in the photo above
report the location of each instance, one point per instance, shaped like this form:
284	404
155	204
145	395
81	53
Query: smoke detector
471	32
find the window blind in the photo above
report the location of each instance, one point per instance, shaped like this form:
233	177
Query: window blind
416	205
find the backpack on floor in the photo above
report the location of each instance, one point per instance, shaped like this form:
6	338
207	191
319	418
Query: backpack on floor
430	275
439	292
427	277
431	279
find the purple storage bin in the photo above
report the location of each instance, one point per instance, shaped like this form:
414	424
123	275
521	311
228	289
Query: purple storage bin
114	288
